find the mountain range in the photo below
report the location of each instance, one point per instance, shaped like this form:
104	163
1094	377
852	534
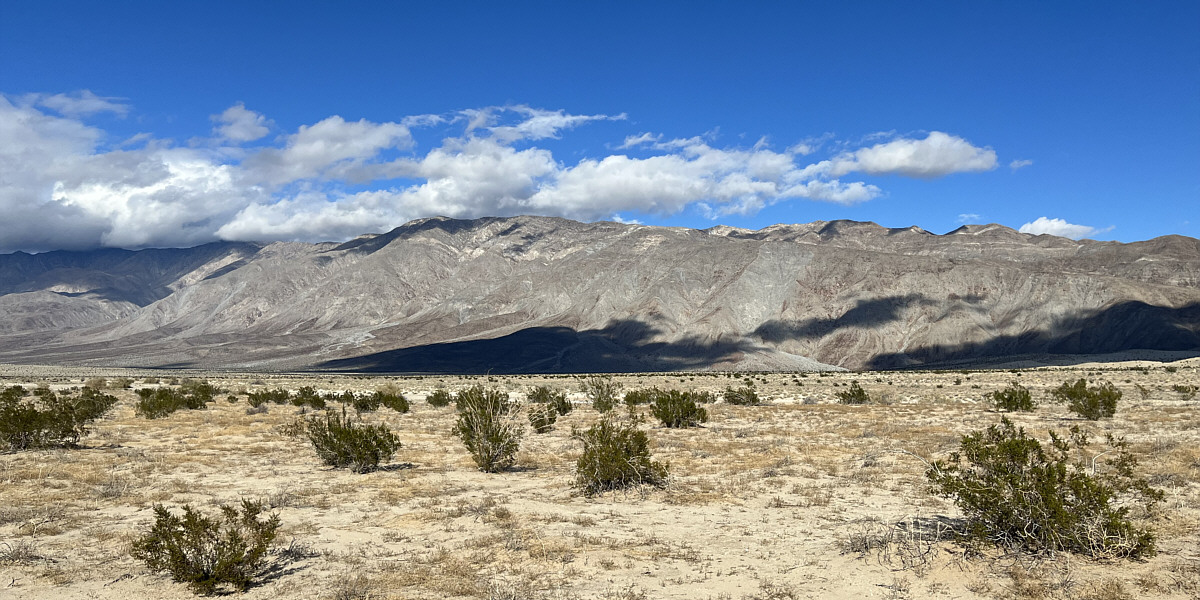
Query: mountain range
546	295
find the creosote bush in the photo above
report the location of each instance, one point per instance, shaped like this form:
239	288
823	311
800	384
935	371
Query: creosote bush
555	398
602	391
1015	397
209	553
643	396
678	409
155	403
487	427
1019	494
542	417
743	396
854	395
48	419
307	396
439	398
616	455
1092	403
342	442
257	399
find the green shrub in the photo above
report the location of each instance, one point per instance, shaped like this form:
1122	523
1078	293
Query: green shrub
1021	495
347	398
392	400
439	398
156	403
208	553
1092	403
542	417
306	396
616	455
48	420
643	396
854	395
555	398
257	399
677	409
487	428
341	442
743	396
199	389
602	391
1015	397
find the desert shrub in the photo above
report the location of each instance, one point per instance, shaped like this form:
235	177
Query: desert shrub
555	398
542	417
1017	493
96	383
439	398
1186	392
347	398
279	396
120	383
200	389
616	455
305	396
744	396
677	409
48	419
602	391
643	396
390	399
1092	403
854	395
209	553
1015	397
158	403
341	442
486	427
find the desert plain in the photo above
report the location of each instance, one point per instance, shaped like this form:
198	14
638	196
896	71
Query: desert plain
803	497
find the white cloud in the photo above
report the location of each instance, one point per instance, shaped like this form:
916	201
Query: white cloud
937	155
239	124
79	104
965	218
1017	164
1060	228
336	179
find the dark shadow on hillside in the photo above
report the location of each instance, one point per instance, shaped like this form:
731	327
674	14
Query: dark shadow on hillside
865	314
621	347
1122	327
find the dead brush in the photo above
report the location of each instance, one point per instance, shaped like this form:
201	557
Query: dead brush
910	544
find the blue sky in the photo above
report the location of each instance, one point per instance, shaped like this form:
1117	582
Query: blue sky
141	124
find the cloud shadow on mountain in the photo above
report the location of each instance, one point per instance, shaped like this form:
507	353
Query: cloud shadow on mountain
1126	326
865	314
623	346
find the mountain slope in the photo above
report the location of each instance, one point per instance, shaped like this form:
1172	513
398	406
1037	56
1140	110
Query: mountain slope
529	294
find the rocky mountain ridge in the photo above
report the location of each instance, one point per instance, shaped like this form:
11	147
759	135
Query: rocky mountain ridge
540	294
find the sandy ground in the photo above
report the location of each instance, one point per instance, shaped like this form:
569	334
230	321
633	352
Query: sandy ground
764	502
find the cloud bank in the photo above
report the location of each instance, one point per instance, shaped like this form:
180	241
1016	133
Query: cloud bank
1061	228
66	187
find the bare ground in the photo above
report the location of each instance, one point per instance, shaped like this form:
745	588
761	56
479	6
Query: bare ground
764	502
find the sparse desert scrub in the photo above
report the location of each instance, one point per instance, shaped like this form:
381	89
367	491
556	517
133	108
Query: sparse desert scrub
209	553
674	408
601	391
1092	403
47	419
156	403
542	417
439	398
1023	495
742	396
556	399
855	395
277	396
487	427
1015	397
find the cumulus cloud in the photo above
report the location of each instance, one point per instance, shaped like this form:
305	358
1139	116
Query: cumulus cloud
239	124
338	178
1061	228
937	155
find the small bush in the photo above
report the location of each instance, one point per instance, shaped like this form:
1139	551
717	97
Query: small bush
48	420
208	553
1015	397
644	396
161	402
602	391
616	455
743	396
854	395
486	427
341	442
257	399
542	417
554	398
439	398
347	398
1092	403
1186	392
392	400
677	409
1019	494
305	396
